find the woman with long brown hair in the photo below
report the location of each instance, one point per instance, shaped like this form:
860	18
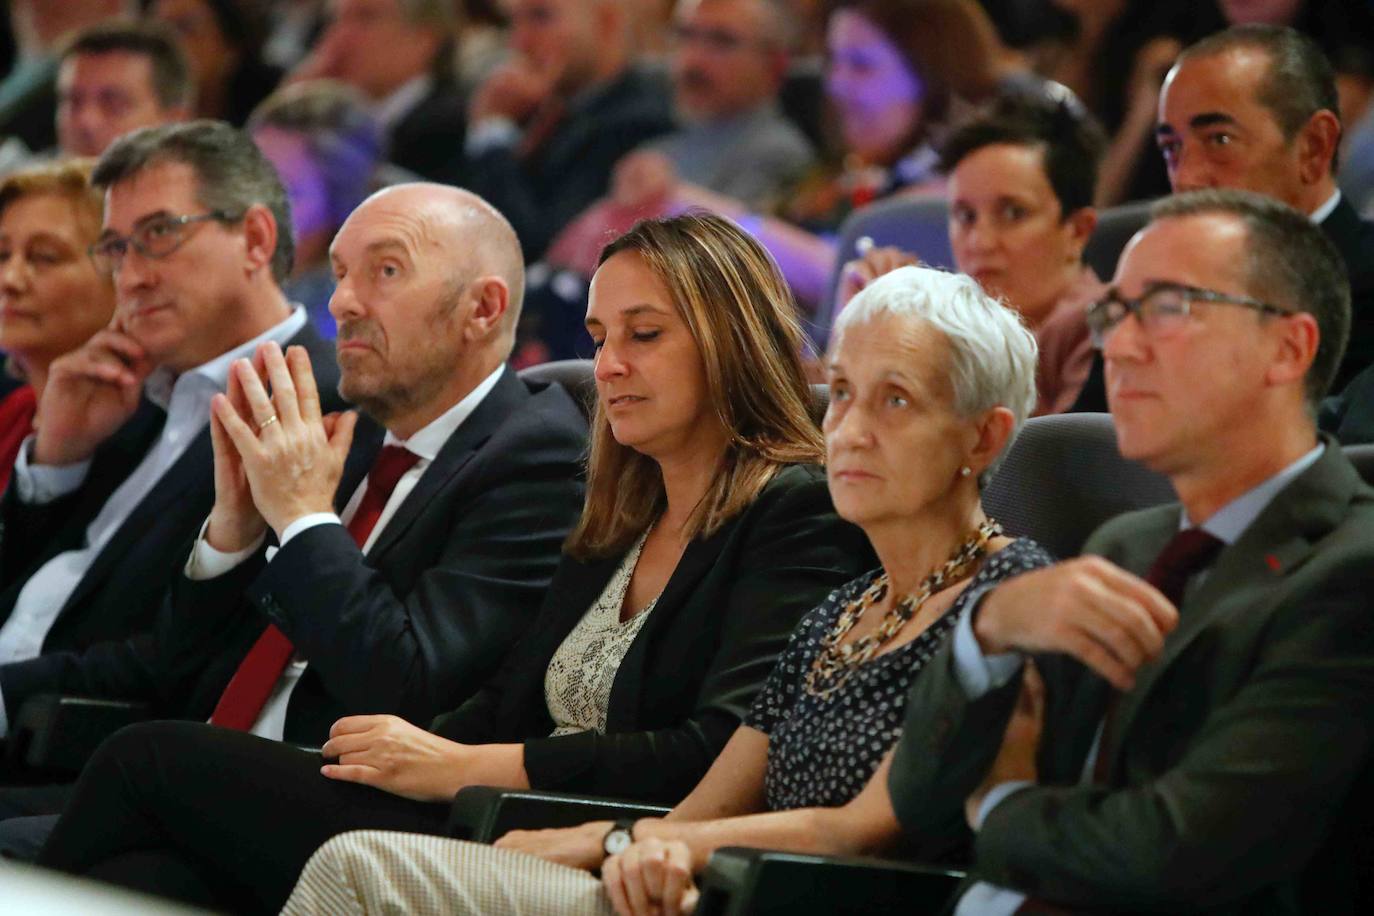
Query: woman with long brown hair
708	532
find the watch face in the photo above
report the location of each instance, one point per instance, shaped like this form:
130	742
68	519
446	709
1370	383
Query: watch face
617	841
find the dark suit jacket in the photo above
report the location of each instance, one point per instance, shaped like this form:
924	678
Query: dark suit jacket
423	619
119	596
692	671
1354	238
1234	751
544	192
429	139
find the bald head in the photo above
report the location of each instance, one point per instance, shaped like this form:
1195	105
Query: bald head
474	239
429	280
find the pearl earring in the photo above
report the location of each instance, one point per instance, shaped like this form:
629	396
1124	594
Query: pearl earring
965	471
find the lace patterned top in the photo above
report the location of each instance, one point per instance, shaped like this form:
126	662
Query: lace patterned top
822	750
577	684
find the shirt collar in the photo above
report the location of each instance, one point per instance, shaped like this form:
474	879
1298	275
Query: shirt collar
1320	214
1230	521
429	439
403	98
162	381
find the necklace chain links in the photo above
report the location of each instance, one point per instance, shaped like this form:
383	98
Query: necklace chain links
835	663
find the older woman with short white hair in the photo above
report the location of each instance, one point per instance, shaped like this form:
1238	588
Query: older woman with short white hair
929	381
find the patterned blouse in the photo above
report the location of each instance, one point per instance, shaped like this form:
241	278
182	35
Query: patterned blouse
578	681
822	751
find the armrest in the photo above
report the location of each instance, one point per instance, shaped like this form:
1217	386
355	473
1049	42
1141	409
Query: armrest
742	881
58	734
484	813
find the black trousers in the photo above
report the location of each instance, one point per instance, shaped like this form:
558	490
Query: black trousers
213	817
27	816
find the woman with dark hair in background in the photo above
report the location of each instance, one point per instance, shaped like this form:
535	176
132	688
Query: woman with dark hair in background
223	40
1021	175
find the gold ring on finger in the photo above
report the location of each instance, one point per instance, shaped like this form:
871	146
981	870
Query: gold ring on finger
266	423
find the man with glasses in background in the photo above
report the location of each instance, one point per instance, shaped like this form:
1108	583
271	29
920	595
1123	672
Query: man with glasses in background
728	62
1206	670
113	486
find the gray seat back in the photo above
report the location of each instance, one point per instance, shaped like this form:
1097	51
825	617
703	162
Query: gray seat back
1115	226
917	224
1063	477
573	374
1362	456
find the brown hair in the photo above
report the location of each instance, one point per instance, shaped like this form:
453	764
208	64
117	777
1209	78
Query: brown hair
740	312
155	41
69	178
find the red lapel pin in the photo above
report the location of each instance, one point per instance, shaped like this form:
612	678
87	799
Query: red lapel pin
1273	562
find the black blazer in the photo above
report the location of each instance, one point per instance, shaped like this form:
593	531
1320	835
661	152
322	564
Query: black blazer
1350	416
1230	759
1354	238
119	596
693	670
423	619
544	192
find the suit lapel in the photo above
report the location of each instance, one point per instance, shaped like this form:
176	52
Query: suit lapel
191	475
1278	542
502	401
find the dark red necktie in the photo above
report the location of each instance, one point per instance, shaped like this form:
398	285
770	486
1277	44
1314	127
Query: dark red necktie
1183	557
245	696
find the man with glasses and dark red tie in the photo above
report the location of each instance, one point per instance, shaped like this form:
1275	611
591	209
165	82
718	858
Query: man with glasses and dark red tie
1198	708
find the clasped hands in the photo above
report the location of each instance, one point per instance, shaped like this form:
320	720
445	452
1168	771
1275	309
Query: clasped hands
652	877
277	457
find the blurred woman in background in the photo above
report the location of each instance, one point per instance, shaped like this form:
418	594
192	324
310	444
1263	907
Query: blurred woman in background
1021	176
52	298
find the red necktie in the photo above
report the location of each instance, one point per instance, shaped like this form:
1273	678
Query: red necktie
1183	557
245	696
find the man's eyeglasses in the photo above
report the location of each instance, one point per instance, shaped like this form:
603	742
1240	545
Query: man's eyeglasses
1164	309
155	238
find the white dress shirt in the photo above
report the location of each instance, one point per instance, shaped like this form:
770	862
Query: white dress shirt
187	402
1320	214
206	562
978	673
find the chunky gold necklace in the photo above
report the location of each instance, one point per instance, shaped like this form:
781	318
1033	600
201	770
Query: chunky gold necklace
835	663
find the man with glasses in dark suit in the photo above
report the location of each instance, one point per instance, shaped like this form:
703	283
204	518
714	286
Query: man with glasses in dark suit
1197	709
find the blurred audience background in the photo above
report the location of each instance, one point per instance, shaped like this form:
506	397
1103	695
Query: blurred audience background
578	117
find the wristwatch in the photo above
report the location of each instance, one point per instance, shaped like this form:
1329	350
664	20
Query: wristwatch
619	837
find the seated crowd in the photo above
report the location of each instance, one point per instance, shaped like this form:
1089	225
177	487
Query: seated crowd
281	472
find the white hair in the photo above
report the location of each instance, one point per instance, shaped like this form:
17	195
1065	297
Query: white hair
992	352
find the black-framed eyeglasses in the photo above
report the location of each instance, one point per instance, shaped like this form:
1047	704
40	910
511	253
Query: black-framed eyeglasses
1163	309
156	237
